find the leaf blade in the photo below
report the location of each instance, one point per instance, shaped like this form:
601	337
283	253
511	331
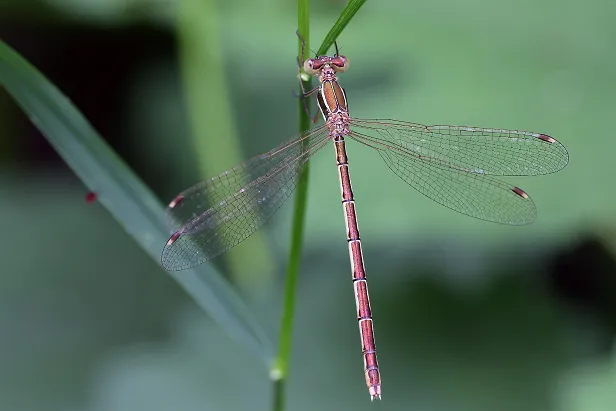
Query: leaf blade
124	195
345	17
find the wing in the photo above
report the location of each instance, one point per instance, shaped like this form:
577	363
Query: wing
217	214
472	149
194	201
474	194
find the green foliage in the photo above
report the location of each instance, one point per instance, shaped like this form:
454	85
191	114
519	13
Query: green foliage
463	318
124	195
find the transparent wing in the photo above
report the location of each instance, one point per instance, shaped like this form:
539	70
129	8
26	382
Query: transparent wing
217	214
471	149
194	201
473	194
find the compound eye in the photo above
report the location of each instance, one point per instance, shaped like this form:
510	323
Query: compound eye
312	66
340	63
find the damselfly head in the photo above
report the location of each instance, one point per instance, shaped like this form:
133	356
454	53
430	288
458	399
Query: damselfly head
338	63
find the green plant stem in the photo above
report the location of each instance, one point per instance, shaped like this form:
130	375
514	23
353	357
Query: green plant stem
280	368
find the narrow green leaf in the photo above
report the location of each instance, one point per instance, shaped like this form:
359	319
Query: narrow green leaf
347	14
124	195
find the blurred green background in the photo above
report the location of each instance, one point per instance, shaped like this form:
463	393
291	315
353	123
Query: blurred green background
468	315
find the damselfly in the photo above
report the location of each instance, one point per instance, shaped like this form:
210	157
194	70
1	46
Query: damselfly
452	165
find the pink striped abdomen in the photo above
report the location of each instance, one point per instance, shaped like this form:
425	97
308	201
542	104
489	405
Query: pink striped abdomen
360	286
